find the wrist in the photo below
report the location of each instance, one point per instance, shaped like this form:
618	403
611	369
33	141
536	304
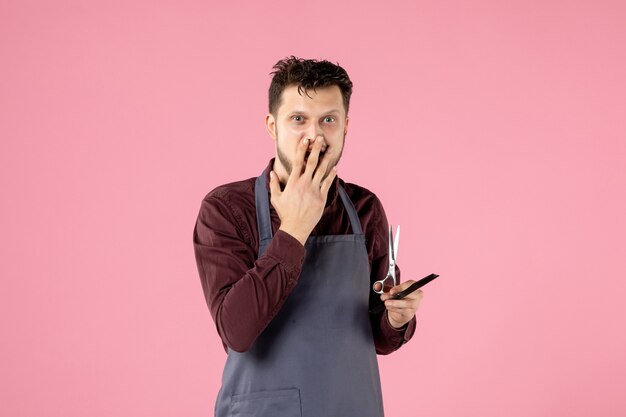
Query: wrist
394	325
299	236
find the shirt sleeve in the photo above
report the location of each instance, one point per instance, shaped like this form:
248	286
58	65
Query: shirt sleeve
387	339
232	276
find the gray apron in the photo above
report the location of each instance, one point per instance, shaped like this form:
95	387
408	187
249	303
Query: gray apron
316	358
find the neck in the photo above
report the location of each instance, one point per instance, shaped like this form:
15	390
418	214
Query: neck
281	171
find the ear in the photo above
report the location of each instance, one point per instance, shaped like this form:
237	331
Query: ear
345	130
270	125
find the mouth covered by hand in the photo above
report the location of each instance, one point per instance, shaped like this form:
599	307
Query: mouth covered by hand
322	153
306	156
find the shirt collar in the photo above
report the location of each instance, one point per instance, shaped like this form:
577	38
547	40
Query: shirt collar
332	191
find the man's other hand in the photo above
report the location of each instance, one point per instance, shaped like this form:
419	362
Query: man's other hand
400	312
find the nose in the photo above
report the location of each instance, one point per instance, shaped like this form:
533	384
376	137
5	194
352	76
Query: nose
312	132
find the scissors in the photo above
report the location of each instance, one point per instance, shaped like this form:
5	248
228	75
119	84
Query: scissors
391	273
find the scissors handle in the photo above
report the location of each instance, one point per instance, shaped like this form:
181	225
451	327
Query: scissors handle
383	286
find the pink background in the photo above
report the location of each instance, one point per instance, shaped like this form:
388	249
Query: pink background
493	131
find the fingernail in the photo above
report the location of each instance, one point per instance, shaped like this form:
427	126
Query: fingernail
319	138
305	141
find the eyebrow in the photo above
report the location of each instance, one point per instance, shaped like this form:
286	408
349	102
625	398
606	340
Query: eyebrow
303	112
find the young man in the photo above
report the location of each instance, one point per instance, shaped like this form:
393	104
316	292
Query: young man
287	263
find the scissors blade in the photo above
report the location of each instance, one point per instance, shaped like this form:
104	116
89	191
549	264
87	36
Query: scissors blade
396	242
392	254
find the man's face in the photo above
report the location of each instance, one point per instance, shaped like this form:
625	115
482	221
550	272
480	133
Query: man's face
301	116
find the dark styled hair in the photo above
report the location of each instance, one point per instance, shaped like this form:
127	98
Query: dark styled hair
307	74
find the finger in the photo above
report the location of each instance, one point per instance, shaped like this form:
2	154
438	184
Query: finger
274	185
415	295
401	310
321	171
386	295
328	181
313	157
397	304
401	287
298	162
404	301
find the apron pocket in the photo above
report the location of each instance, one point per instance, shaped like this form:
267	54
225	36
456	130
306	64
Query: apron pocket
283	402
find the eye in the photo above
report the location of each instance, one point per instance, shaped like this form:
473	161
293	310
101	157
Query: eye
296	117
332	119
